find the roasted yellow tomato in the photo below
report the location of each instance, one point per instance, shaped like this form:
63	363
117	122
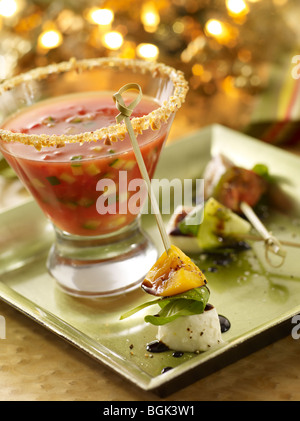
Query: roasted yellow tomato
172	274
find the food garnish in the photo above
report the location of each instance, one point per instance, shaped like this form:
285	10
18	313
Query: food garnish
218	227
186	321
174	278
239	185
179	284
241	189
172	274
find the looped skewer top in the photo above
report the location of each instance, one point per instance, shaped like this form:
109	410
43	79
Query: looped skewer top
125	113
126	110
272	244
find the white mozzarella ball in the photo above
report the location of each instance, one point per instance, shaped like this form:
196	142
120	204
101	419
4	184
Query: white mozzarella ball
199	332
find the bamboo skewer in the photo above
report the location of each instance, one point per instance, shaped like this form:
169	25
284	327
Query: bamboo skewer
125	112
272	244
259	238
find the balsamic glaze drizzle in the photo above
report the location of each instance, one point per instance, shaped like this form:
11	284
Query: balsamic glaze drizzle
156	347
165	369
224	323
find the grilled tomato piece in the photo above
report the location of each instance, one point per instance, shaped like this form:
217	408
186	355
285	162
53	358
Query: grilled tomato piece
240	185
172	274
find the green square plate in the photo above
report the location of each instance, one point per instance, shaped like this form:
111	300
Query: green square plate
259	301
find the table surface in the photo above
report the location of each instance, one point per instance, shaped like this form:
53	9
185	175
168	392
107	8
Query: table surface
36	365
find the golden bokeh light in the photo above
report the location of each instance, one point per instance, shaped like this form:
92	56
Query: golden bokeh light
100	16
8	8
148	29
147	51
49	39
214	27
222	32
113	40
178	27
197	69
150	17
237	8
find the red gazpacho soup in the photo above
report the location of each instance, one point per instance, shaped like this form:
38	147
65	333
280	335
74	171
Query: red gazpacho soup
64	180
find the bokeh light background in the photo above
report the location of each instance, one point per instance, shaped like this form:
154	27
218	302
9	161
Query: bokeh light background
228	49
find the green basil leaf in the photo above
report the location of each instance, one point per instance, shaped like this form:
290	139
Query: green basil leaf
184	304
175	309
198	294
140	307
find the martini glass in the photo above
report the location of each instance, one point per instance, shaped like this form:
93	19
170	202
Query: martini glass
59	133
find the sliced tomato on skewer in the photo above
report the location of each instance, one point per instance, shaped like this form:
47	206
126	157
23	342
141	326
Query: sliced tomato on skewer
239	185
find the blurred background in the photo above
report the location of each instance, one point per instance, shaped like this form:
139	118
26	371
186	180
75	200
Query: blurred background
239	56
236	54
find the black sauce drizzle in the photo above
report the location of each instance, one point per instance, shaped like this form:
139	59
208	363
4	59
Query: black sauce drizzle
224	323
165	369
156	347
